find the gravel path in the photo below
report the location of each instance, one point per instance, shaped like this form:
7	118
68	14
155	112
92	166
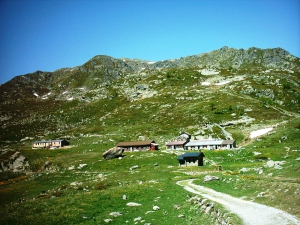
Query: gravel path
250	212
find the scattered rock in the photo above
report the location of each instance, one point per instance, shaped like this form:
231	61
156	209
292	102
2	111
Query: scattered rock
108	220
134	167
261	194
13	161
155	208
278	167
244	170
133	204
137	219
115	214
176	207
81	166
209	178
71	167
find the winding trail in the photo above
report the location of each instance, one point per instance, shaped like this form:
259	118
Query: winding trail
250	212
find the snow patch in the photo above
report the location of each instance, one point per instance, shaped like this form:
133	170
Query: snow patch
35	94
258	133
150	62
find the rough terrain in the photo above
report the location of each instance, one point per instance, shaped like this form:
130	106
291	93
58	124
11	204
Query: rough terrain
250	212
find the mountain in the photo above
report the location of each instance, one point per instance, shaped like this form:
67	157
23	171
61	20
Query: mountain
223	94
131	98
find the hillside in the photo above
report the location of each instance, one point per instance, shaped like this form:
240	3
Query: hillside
223	94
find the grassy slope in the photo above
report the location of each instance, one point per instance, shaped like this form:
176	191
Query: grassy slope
181	104
96	196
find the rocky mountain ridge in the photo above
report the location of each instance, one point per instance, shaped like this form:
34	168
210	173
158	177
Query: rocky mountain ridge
210	88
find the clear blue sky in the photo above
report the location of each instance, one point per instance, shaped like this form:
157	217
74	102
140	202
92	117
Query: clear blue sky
48	35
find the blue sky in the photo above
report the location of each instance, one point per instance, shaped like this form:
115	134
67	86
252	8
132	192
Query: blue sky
49	35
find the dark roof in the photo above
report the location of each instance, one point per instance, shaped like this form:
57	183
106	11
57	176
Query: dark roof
190	155
176	143
135	143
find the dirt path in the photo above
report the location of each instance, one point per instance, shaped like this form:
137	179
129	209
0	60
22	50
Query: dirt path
250	212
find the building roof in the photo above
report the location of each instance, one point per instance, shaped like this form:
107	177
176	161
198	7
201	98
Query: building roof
46	141
176	143
204	142
135	143
227	142
190	155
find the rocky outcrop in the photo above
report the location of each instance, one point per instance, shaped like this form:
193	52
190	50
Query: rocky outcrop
112	153
13	161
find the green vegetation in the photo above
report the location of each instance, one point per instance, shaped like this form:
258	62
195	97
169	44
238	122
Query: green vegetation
105	101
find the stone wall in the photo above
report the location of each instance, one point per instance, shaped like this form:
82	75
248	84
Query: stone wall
208	207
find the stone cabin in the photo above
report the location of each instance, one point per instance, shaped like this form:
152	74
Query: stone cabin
131	146
191	159
50	144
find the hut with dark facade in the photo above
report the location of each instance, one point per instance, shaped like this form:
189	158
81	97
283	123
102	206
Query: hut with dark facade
191	159
131	146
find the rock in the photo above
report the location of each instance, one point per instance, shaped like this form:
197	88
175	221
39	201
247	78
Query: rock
208	209
298	159
133	204
261	194
71	167
13	161
124	197
115	214
137	219
243	170
114	152
180	216
108	220
270	163
278	167
176	207
134	167
81	166
209	178
155	208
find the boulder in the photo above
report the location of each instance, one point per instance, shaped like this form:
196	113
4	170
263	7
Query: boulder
133	204
209	178
155	208
112	153
13	161
134	167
